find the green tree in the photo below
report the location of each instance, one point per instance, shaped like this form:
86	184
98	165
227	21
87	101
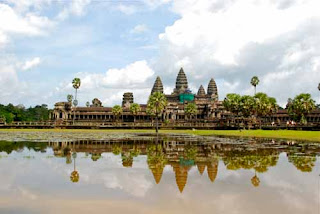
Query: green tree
135	109
247	107
69	98
156	104
232	103
88	104
74	177
264	105
300	106
76	82
254	82
116	111
191	110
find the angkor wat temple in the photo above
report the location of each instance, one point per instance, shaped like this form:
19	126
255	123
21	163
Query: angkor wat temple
210	111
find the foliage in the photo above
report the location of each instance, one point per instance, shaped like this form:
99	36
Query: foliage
134	109
265	105
117	110
247	105
156	104
191	109
232	103
302	163
19	113
88	104
301	105
254	82
69	98
76	82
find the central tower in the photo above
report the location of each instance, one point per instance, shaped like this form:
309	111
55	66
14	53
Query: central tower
181	83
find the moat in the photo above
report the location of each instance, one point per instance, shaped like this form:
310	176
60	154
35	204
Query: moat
56	172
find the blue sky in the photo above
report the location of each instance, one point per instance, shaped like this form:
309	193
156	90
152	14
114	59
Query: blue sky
120	46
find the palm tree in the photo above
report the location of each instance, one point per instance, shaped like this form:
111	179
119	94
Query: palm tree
76	82
255	180
232	103
254	82
265	105
74	177
191	109
116	111
247	106
135	109
301	105
69	98
88	104
156	104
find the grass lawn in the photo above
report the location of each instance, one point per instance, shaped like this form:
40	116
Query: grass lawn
284	134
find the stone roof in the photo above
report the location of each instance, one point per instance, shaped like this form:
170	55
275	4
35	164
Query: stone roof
181	82
201	91
212	87
157	86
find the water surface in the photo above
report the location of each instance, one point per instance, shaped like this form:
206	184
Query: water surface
141	173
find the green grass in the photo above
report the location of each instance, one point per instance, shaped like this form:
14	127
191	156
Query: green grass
284	134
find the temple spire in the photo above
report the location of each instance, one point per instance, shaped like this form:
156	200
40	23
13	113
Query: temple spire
201	167
181	174
157	86
181	82
201	91
212	169
212	89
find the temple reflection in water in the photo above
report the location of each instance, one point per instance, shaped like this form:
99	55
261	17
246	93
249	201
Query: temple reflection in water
182	154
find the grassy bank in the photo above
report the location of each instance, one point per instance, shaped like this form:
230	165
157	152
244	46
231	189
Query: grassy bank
284	134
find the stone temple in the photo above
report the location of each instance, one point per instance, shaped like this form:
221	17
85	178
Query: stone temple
209	107
210	111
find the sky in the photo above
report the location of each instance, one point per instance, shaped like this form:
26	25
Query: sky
118	46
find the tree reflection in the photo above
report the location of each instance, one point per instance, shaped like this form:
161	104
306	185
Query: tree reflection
127	157
74	177
156	161
304	163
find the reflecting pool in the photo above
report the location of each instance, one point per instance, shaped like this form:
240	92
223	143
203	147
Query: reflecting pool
166	174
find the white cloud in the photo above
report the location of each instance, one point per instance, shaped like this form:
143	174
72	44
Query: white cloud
29	24
234	40
126	9
110	86
31	63
139	29
76	8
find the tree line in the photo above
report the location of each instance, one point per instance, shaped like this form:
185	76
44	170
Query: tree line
10	113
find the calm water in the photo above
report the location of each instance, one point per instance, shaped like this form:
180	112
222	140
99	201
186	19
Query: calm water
169	174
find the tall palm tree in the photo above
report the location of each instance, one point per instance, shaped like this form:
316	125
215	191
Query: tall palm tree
135	109
69	98
76	82
254	82
156	104
74	177
116	111
191	109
